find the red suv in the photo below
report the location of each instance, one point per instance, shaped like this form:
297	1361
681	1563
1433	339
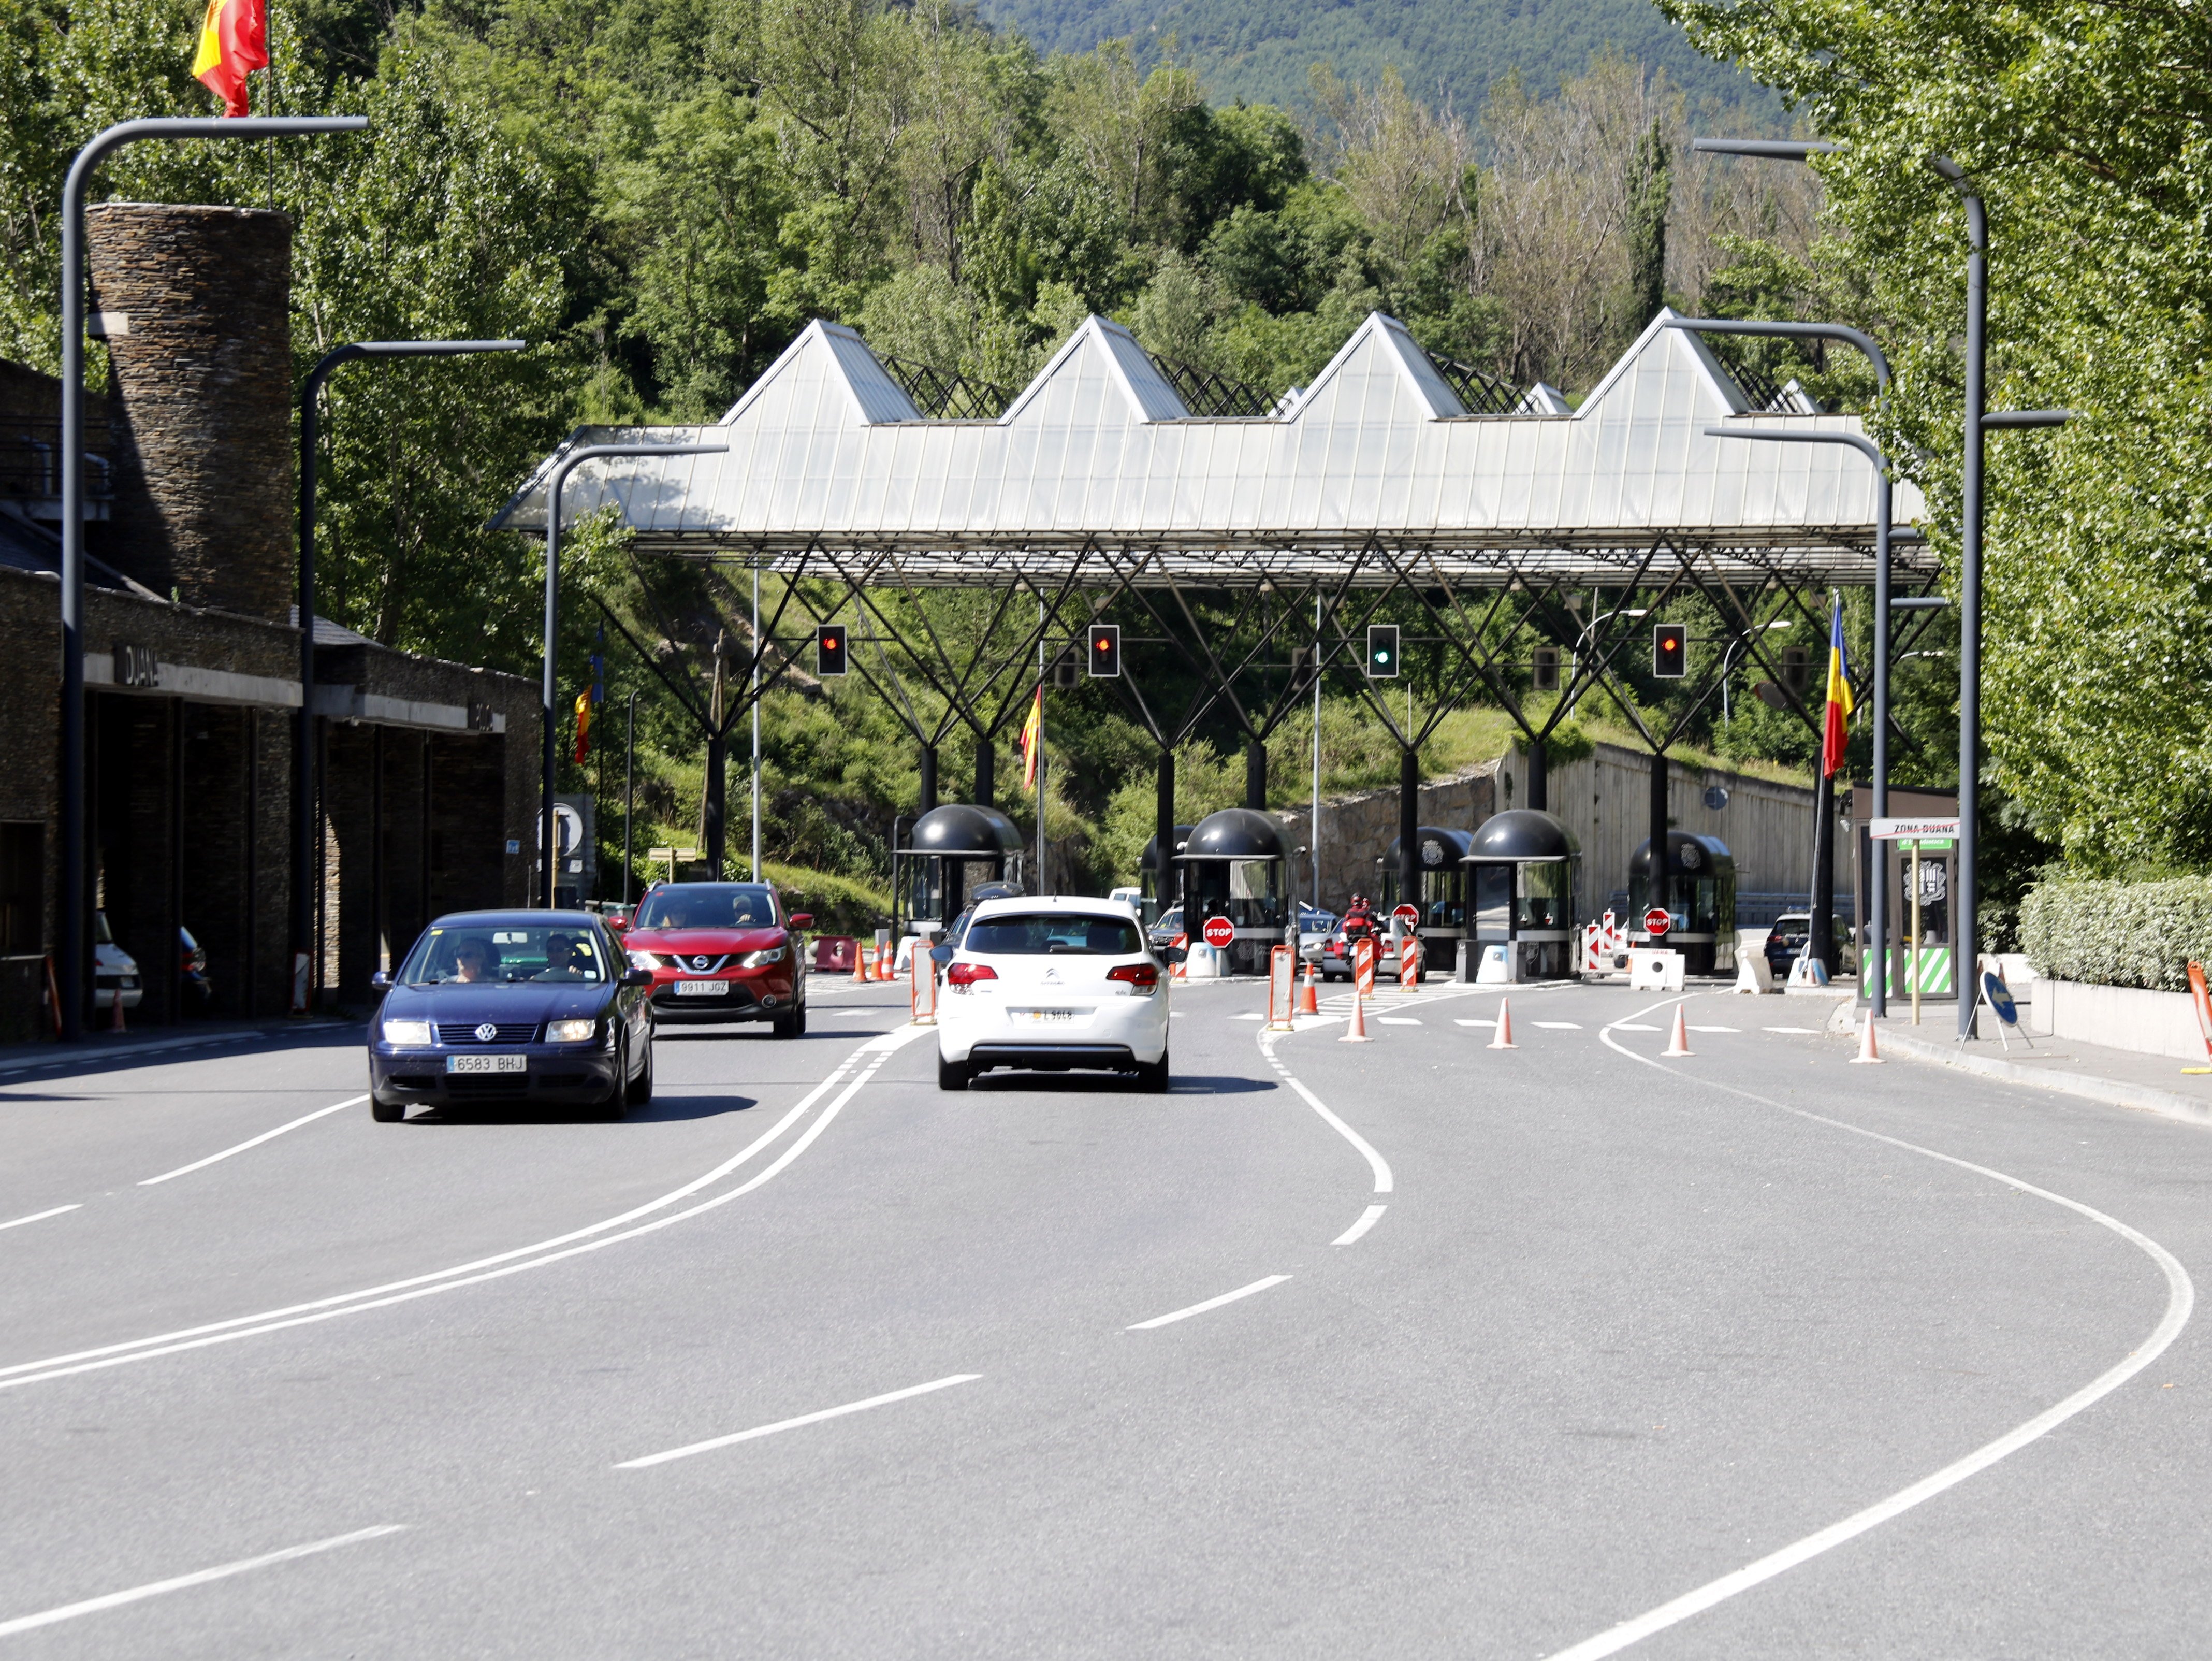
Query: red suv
721	951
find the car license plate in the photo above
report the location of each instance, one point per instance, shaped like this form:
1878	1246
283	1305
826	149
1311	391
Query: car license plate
701	988
487	1064
1043	1014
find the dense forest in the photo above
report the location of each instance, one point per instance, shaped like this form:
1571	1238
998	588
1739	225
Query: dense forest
662	194
1451	52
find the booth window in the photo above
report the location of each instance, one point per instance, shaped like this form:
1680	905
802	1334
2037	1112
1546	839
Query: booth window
1546	896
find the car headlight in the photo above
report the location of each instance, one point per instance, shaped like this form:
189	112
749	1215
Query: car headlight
755	959
571	1032
407	1033
643	960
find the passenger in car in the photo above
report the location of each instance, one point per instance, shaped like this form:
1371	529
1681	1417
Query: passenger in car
474	960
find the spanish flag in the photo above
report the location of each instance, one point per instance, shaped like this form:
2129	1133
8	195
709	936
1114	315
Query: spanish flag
1836	732
1032	741
233	43
583	725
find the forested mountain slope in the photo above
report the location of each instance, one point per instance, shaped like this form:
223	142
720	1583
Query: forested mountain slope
1262	50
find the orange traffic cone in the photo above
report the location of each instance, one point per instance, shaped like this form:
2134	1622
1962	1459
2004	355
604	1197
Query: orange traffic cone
859	964
1867	1050
1679	1043
1503	1039
1309	1000
1356	1032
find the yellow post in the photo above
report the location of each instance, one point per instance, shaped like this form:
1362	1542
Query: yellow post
1913	957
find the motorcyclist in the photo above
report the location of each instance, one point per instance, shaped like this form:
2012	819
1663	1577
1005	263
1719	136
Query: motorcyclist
1358	920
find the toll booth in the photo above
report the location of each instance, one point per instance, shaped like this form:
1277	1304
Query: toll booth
1932	960
1523	868
1441	900
1699	897
1157	881
1235	865
932	875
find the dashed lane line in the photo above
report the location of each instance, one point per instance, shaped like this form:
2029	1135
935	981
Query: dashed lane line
758	1431
1176	1315
255	1141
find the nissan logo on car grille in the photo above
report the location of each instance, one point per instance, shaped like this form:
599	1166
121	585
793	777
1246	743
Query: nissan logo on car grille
701	962
486	1032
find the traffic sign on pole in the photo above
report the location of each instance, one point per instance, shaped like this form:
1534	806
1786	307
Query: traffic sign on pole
1219	933
1411	913
1658	922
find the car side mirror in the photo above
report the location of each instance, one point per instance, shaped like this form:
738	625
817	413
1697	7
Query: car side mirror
802	920
940	955
620	925
1172	955
637	977
380	982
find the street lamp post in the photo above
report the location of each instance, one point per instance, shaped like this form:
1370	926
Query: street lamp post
303	724
75	897
630	796
550	752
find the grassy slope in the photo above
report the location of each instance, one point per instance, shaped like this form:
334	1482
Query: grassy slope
1261	49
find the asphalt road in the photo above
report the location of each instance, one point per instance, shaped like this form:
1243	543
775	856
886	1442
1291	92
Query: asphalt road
1531	1344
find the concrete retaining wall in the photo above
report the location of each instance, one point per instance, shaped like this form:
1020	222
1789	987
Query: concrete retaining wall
2120	1017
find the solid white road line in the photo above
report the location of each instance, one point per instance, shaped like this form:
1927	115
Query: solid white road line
1368	1219
1559	1026
256	1141
1396	1021
197	1578
1796	1031
493	1268
731	1440
1375	1162
2181	1299
41	1216
1715	1029
1624	1027
1456	1021
1211	1303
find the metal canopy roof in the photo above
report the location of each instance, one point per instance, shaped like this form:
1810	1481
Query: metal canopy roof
1097	472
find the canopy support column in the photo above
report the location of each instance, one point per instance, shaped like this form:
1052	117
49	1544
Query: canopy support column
1255	775
987	762
1661	865
712	813
1409	826
1539	779
928	799
1821	945
1163	830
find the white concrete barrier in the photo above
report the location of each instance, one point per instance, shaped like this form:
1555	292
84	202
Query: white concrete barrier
1654	971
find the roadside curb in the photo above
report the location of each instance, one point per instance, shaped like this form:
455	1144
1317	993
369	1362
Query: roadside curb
2113	1092
25	1058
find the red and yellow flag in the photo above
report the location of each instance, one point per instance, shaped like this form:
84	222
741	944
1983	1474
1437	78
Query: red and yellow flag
1836	730
233	43
583	724
1032	740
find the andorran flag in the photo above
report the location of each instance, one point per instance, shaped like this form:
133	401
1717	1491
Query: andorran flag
1032	740
233	43
1835	731
583	724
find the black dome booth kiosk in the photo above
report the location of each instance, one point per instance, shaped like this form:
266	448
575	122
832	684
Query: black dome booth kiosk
1699	900
1441	901
1235	866
944	843
1159	890
1521	868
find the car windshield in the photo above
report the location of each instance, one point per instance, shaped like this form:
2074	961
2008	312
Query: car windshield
708	905
1016	934
505	954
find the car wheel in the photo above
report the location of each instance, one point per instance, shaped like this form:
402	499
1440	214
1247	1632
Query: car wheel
616	1103
786	1026
953	1075
641	1088
387	1112
1152	1076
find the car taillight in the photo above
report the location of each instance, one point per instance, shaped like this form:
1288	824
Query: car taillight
1142	976
966	974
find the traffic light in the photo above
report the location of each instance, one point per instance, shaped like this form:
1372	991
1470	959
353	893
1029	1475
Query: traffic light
1382	651
1105	651
1670	651
1796	667
1063	674
1544	669
829	649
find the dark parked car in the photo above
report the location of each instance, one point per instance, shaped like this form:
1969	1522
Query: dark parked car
513	1006
1786	941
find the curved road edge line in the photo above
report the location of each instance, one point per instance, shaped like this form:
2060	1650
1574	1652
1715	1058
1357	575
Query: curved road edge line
2181	1300
1375	1162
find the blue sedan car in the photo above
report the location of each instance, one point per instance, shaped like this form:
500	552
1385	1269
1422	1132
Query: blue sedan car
538	1006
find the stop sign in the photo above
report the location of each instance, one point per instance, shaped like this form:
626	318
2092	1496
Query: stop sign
1219	931
1410	913
1656	922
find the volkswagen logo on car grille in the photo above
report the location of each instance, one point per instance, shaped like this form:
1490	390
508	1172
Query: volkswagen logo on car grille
486	1032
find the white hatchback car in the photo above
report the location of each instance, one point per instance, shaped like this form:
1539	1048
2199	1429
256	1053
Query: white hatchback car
1052	983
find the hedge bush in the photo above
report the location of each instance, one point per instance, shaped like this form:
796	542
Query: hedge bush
2118	934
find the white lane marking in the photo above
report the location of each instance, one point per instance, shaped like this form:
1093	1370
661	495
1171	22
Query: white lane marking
1211	1303
494	1266
1396	1021
736	1437
2181	1300
1456	1021
1375	1162
1368	1219
255	1141
197	1578
1626	1026
41	1216
1559	1026
1715	1028
1798	1032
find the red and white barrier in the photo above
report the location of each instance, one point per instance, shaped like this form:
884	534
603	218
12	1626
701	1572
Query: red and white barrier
1601	942
1409	963
1363	967
921	972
